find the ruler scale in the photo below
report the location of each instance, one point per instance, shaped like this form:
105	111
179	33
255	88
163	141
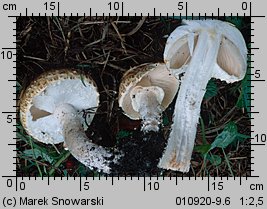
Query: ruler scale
141	190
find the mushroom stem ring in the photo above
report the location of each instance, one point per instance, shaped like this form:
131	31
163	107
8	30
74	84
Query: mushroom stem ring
145	92
213	55
147	101
189	101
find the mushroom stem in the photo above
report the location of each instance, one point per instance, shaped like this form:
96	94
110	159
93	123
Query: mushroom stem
147	102
199	71
90	154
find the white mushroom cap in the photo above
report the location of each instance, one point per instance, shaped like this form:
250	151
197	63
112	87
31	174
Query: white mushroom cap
146	75
232	55
51	89
201	50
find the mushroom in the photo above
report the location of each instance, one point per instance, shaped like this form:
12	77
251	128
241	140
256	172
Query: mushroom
145	91
51	111
198	50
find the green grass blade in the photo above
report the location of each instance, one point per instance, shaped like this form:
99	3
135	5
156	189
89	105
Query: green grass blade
38	153
204	140
63	157
226	137
35	158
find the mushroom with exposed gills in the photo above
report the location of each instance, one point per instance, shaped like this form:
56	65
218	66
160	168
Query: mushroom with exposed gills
51	111
201	49
145	91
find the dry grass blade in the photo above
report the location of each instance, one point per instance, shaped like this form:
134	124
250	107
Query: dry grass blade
139	25
106	48
120	37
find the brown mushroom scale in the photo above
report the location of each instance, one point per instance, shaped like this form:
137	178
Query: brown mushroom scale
51	111
145	91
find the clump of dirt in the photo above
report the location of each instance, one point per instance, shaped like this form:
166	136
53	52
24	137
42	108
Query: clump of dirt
106	48
142	153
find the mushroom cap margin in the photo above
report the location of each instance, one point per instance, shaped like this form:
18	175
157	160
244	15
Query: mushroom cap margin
39	84
145	75
233	47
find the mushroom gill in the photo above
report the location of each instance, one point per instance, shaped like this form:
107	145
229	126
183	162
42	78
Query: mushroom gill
219	51
51	112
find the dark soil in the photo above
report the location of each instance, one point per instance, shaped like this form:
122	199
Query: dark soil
105	49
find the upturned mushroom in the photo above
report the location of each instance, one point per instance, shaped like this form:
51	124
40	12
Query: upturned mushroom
145	91
51	111
201	50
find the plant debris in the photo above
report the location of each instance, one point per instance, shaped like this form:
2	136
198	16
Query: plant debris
106	48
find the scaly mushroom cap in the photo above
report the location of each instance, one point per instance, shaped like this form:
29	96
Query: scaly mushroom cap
146	75
232	55
51	89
